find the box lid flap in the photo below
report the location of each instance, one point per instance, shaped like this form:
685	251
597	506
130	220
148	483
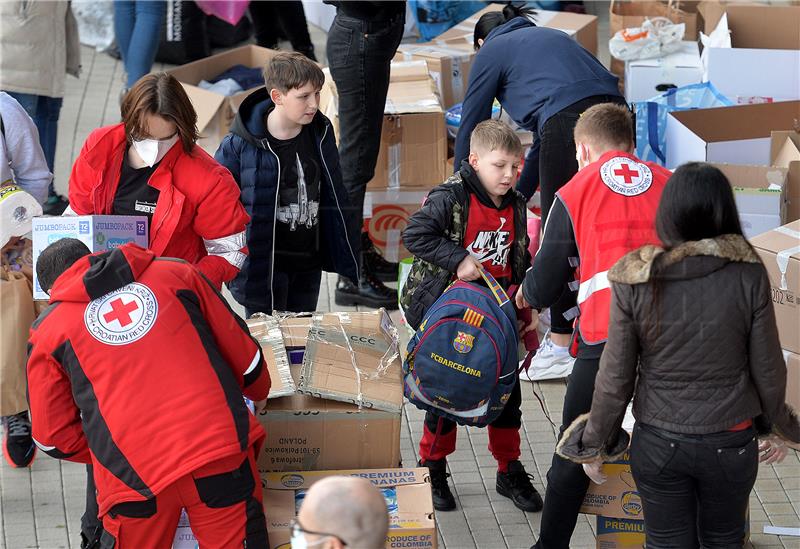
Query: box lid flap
784	241
205	103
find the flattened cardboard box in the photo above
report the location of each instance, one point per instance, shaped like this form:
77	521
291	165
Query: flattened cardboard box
412	521
310	434
780	251
785	153
354	358
266	330
582	27
413	148
386	213
449	67
617	497
215	112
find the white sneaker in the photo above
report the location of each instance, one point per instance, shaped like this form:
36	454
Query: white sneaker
550	362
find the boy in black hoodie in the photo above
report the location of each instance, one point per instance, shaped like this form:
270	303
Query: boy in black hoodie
475	220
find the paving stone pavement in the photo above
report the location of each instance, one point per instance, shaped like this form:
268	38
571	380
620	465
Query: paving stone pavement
40	507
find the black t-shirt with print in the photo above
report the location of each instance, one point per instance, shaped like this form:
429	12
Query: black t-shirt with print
297	216
134	196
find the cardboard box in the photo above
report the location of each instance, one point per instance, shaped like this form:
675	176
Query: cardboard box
620	533
581	27
354	358
760	194
294	330
764	62
646	78
413	137
267	332
733	135
449	67
780	251
412	520
785	153
386	213
309	434
792	379
215	112
618	496
98	232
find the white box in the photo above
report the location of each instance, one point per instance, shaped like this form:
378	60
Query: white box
98	232
764	63
734	135
646	78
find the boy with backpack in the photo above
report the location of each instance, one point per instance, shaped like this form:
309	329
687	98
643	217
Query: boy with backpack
282	152
474	221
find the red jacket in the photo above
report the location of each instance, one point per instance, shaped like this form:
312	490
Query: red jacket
612	204
138	366
198	216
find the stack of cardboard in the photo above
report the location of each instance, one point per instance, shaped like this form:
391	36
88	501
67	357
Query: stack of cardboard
780	251
448	66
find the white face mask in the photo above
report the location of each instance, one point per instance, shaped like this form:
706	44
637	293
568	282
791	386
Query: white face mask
151	151
299	541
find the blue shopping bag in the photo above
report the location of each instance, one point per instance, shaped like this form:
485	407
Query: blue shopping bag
651	116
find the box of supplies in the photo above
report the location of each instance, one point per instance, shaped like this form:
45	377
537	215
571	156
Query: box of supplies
98	232
407	493
760	193
620	533
785	153
647	78
618	496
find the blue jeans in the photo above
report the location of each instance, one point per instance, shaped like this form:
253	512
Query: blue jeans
137	26
44	111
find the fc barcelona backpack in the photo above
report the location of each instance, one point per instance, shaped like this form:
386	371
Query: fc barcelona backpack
462	362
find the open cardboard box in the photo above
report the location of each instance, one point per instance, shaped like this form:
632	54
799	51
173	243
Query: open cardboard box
412	523
581	27
733	135
764	62
785	153
780	251
215	112
760	193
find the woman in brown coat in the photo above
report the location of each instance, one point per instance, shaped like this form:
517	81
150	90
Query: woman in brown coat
692	338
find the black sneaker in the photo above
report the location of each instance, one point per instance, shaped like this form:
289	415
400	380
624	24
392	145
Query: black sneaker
375	263
516	485
55	205
443	499
370	292
18	445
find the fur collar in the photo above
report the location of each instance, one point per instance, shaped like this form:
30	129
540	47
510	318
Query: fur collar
634	268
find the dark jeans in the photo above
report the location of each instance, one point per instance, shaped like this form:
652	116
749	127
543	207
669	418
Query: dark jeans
44	111
275	19
359	54
137	27
294	292
695	488
557	165
566	481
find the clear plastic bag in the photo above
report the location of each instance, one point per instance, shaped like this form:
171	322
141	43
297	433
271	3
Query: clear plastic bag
656	37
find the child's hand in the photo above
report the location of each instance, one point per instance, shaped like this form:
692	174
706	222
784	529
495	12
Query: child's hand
531	327
522	303
469	269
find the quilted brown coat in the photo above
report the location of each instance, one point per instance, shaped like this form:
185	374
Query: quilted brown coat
695	345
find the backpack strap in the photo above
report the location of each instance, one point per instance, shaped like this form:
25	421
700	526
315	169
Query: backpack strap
497	290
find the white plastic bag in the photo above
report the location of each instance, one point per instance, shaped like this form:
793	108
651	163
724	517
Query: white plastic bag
720	37
655	38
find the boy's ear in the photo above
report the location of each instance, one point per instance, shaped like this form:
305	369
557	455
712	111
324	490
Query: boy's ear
276	96
473	160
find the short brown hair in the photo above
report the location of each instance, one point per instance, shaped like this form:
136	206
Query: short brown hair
289	70
492	135
161	94
607	125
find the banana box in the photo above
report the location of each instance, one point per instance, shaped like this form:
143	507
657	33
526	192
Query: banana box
620	533
618	496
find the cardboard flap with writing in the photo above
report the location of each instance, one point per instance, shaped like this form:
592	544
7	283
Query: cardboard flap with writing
378	477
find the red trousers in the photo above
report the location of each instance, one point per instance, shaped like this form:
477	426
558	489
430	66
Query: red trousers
222	499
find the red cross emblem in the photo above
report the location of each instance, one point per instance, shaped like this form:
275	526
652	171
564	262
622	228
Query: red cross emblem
626	173
121	312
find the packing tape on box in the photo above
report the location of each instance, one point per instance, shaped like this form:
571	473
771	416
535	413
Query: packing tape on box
394	106
782	257
267	332
393	245
395	152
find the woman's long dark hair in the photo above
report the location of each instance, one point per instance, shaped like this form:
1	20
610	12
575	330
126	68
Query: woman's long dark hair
489	21
697	203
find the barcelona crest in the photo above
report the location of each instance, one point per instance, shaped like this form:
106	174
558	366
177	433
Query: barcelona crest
463	342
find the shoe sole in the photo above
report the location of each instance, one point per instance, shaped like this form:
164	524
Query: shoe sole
351	300
446	509
506	494
11	462
551	373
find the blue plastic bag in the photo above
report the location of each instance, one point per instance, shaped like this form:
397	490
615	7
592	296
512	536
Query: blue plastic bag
436	16
651	116
452	117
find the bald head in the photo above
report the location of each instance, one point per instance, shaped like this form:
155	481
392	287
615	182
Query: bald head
348	507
